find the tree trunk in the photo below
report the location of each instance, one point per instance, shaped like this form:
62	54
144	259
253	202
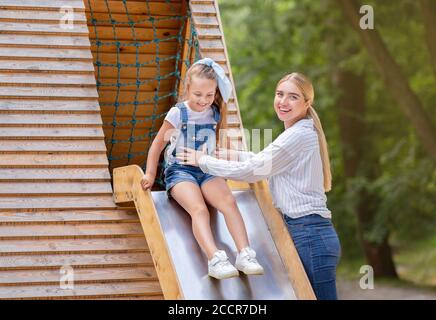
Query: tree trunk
378	255
380	259
356	151
393	78
428	10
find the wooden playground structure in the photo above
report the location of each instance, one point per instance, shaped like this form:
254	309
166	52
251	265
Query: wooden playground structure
73	103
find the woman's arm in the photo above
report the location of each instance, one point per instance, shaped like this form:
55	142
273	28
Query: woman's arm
270	161
233	155
245	155
156	149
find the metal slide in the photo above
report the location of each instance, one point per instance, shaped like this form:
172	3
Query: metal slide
182	267
191	263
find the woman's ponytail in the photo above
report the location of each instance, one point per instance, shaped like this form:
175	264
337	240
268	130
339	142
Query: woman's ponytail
323	149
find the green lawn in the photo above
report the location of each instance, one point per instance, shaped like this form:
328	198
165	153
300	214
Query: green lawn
415	263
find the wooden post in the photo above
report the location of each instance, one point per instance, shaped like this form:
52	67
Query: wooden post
185	48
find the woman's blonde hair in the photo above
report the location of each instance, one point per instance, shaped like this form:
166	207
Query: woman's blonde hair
305	85
203	71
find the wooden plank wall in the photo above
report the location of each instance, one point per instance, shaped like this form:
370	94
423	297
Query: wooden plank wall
56	206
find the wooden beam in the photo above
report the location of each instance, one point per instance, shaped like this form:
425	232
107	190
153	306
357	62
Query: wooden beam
238	185
184	49
127	188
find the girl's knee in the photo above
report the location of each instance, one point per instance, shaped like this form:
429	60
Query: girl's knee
199	211
229	201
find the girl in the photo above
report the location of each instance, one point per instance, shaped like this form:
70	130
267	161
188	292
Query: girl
193	123
299	176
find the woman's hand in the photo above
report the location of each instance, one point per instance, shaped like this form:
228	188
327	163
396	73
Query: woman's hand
226	154
191	157
147	181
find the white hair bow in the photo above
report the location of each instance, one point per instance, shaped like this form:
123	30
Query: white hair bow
224	84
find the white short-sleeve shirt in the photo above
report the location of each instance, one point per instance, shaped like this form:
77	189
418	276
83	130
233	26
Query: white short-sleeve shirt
203	117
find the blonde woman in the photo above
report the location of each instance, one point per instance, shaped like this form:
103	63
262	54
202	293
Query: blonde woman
297	167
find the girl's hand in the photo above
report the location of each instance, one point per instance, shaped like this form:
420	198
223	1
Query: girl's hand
191	157
147	181
226	154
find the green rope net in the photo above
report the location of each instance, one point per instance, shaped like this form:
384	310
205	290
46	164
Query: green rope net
134	121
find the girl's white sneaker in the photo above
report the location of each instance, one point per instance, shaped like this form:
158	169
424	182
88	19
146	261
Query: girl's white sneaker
220	267
247	263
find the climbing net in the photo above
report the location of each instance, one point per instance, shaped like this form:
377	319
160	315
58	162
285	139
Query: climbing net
101	44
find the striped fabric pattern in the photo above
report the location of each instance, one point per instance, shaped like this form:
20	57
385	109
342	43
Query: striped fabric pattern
291	164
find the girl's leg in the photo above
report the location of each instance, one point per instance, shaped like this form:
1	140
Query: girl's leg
189	196
218	194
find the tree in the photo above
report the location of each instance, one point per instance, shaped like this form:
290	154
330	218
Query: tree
428	10
393	77
357	144
383	180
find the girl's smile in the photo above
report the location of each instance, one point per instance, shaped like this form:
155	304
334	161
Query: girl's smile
201	93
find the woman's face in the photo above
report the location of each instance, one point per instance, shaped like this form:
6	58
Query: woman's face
201	93
289	103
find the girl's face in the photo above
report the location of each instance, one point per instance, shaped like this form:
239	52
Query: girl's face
289	103
201	93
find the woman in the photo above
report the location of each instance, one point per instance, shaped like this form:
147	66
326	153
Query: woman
297	167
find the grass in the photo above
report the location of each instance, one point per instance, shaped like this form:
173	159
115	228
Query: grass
415	263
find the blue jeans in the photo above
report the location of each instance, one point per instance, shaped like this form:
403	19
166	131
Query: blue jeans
319	249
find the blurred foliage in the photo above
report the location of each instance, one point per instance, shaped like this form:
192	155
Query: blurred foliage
267	39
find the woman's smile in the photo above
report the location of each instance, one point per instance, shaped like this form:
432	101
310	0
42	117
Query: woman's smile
289	103
284	110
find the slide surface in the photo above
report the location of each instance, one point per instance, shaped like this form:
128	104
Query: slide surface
191	264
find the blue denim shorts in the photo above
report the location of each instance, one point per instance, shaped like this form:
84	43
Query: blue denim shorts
176	173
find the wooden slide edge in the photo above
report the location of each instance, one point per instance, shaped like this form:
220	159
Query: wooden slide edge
283	241
127	188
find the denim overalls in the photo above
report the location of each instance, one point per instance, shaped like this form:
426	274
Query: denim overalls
192	136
